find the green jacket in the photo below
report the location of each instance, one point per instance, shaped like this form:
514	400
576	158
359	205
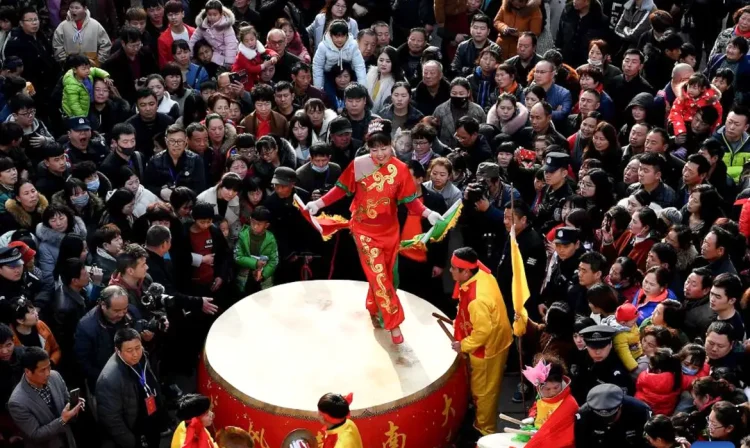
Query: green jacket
76	98
248	263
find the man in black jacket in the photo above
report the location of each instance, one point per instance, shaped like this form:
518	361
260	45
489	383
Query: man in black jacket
433	90
580	23
602	365
81	146
534	255
175	167
130	64
629	84
123	153
276	41
526	57
464	62
35	50
52	171
148	123
319	174
121	394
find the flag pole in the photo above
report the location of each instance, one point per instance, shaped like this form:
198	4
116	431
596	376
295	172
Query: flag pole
518	338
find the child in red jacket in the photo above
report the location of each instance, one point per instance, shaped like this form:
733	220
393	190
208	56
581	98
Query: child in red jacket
553	413
694	365
697	92
660	385
252	57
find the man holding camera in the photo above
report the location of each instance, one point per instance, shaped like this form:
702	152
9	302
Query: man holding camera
484	203
94	337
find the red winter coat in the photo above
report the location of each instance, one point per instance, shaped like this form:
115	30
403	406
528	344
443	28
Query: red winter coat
744	216
685	108
165	45
558	430
639	253
657	390
687	380
251	66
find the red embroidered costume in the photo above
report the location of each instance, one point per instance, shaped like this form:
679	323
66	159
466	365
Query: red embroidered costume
377	191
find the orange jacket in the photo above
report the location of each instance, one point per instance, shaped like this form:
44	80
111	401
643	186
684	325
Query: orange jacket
528	18
444	8
49	343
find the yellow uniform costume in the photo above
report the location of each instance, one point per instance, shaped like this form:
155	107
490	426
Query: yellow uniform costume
483	328
344	436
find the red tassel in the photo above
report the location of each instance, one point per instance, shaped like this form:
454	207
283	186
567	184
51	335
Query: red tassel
349	397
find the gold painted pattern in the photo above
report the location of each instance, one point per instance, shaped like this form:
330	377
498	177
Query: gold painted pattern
448	411
377	268
379	179
258	436
368	209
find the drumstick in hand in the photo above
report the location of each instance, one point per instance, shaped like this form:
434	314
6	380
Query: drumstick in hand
508	418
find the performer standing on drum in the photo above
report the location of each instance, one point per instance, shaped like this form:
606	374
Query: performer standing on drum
482	329
379	182
340	431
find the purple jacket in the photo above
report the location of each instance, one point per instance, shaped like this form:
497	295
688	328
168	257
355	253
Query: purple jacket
220	36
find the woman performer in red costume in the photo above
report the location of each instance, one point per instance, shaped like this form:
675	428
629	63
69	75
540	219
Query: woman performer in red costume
379	182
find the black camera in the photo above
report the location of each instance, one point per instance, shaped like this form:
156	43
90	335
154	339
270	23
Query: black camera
476	191
156	302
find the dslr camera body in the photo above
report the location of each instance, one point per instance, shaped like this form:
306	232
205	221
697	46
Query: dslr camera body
156	303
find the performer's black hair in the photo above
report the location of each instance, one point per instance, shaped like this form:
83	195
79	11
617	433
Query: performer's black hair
334	405
192	405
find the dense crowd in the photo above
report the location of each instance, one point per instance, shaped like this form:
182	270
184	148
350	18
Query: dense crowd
150	154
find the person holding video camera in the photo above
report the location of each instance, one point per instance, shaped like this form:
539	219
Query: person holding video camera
95	333
482	216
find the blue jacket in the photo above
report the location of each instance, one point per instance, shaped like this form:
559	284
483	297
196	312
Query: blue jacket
606	107
195	76
329	55
559	96
647	309
95	343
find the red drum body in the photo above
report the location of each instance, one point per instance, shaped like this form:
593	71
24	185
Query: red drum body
270	357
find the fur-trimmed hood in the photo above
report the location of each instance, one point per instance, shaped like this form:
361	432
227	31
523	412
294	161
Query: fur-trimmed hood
226	21
53	237
22	217
94	207
526	10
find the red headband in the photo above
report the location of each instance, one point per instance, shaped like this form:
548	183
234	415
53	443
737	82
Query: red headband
463	264
333	420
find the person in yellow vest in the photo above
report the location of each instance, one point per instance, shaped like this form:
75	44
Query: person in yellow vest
482	330
194	411
340	431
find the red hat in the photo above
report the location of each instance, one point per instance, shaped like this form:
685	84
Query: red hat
27	253
626	312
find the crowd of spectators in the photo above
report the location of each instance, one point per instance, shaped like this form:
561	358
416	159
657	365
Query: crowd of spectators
150	154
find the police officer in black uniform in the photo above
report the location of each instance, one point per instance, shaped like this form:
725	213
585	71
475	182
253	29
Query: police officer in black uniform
602	365
611	419
533	253
564	273
556	191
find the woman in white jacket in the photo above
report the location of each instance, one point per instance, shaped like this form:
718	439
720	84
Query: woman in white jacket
166	105
334	9
382	76
508	114
223	196
143	197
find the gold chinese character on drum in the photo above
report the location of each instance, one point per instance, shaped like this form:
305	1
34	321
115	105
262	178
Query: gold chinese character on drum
270	357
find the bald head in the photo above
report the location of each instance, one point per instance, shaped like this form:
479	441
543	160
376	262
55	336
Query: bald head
276	41
681	72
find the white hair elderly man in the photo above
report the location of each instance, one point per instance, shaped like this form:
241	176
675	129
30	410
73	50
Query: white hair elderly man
433	90
276	41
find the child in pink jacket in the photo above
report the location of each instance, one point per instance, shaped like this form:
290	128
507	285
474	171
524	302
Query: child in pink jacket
214	24
697	92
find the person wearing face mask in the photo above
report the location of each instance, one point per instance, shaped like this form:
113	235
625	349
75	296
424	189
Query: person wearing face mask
123	152
459	105
86	205
96	182
610	417
319	174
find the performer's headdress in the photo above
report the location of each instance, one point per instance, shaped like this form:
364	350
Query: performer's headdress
538	374
379	132
335	407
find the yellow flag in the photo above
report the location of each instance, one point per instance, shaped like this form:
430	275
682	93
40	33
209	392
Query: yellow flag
520	287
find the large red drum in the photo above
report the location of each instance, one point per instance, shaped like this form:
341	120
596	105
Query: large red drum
270	357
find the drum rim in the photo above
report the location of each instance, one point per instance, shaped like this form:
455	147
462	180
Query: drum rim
384	408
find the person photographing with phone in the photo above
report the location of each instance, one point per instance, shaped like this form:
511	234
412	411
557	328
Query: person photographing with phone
41	406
